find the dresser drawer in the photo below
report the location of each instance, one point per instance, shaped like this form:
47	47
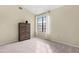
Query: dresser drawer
24	31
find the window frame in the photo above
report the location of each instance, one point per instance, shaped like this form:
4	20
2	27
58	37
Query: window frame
42	19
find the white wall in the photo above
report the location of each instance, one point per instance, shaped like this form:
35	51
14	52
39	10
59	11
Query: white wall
10	16
65	25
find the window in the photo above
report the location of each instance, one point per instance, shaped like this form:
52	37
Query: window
41	23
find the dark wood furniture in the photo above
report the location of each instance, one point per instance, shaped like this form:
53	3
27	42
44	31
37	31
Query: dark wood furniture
24	31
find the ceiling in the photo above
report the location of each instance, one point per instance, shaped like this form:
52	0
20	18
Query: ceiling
38	9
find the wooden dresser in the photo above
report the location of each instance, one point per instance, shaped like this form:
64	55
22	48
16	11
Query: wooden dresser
24	31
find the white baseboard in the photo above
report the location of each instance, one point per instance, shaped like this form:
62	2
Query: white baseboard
63	42
5	43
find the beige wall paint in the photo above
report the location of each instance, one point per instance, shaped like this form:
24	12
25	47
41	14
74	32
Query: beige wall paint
10	16
65	25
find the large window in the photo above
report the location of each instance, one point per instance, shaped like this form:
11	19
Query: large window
41	23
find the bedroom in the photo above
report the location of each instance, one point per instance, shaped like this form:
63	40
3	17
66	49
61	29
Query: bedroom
58	35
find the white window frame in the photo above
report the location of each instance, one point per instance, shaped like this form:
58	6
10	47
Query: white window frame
36	23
